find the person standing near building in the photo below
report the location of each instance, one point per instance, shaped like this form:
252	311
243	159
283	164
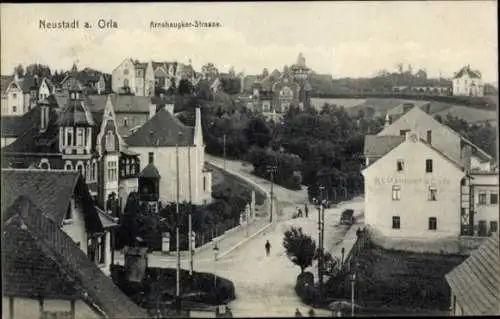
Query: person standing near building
306	210
268	247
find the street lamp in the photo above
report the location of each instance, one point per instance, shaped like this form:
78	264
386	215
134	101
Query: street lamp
353	280
321	237
216	254
177	235
271	169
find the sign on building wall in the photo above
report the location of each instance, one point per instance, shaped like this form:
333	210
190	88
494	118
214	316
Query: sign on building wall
411	181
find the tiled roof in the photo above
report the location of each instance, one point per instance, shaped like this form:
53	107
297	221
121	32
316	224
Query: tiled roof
380	145
49	264
474	74
150	171
49	190
5	81
74	113
476	282
29	83
141	65
11	126
162	130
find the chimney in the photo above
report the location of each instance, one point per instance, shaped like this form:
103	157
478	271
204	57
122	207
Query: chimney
466	157
198	133
412	136
152	109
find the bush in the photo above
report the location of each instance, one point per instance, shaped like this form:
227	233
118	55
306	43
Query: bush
304	287
161	280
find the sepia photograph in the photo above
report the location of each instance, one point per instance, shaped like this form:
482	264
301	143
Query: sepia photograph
249	159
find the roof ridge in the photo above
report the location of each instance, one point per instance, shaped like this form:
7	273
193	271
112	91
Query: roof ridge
39	170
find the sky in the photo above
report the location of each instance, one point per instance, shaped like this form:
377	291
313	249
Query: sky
344	39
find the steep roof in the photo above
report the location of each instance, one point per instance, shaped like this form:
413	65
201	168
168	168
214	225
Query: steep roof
50	191
162	130
476	282
378	146
76	112
150	171
466	70
11	125
5	81
39	259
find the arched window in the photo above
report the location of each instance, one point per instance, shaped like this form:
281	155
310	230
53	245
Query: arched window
125	83
94	171
68	166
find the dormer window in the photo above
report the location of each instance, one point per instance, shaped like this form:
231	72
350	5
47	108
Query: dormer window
73	95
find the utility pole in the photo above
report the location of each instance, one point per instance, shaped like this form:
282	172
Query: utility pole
224	151
271	169
190	213
321	235
177	235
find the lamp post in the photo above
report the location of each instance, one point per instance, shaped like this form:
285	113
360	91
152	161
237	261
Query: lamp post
216	253
353	280
224	151
321	235
271	169
190	222
177	235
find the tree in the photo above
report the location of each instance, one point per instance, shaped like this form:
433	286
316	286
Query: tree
265	73
300	248
39	70
19	70
257	132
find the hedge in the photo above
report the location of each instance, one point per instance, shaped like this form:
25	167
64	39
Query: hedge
304	287
159	287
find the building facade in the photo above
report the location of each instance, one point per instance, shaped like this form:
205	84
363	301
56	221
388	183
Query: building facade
468	82
167	143
435	176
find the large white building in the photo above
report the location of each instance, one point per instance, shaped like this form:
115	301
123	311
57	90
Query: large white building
468	82
165	141
423	180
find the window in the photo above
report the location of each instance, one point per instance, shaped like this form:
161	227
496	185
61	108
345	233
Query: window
68	166
112	171
110	141
44	165
396	192
482	198
14	109
151	157
494	198
128	167
428	166
102	249
14	95
396	222
125	83
432	195
204	184
403	132
493	226
432	223
69	136
429	137
400	165
125	72
125	121
79	136
93	172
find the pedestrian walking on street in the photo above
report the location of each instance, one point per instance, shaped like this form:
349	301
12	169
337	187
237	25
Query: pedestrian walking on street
297	313
300	212
306	209
268	247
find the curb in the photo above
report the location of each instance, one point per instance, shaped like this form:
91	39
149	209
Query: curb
245	240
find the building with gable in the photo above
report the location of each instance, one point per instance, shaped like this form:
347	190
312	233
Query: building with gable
92	81
19	94
147	78
165	141
475	284
46	274
468	82
63	197
276	92
424	180
70	133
